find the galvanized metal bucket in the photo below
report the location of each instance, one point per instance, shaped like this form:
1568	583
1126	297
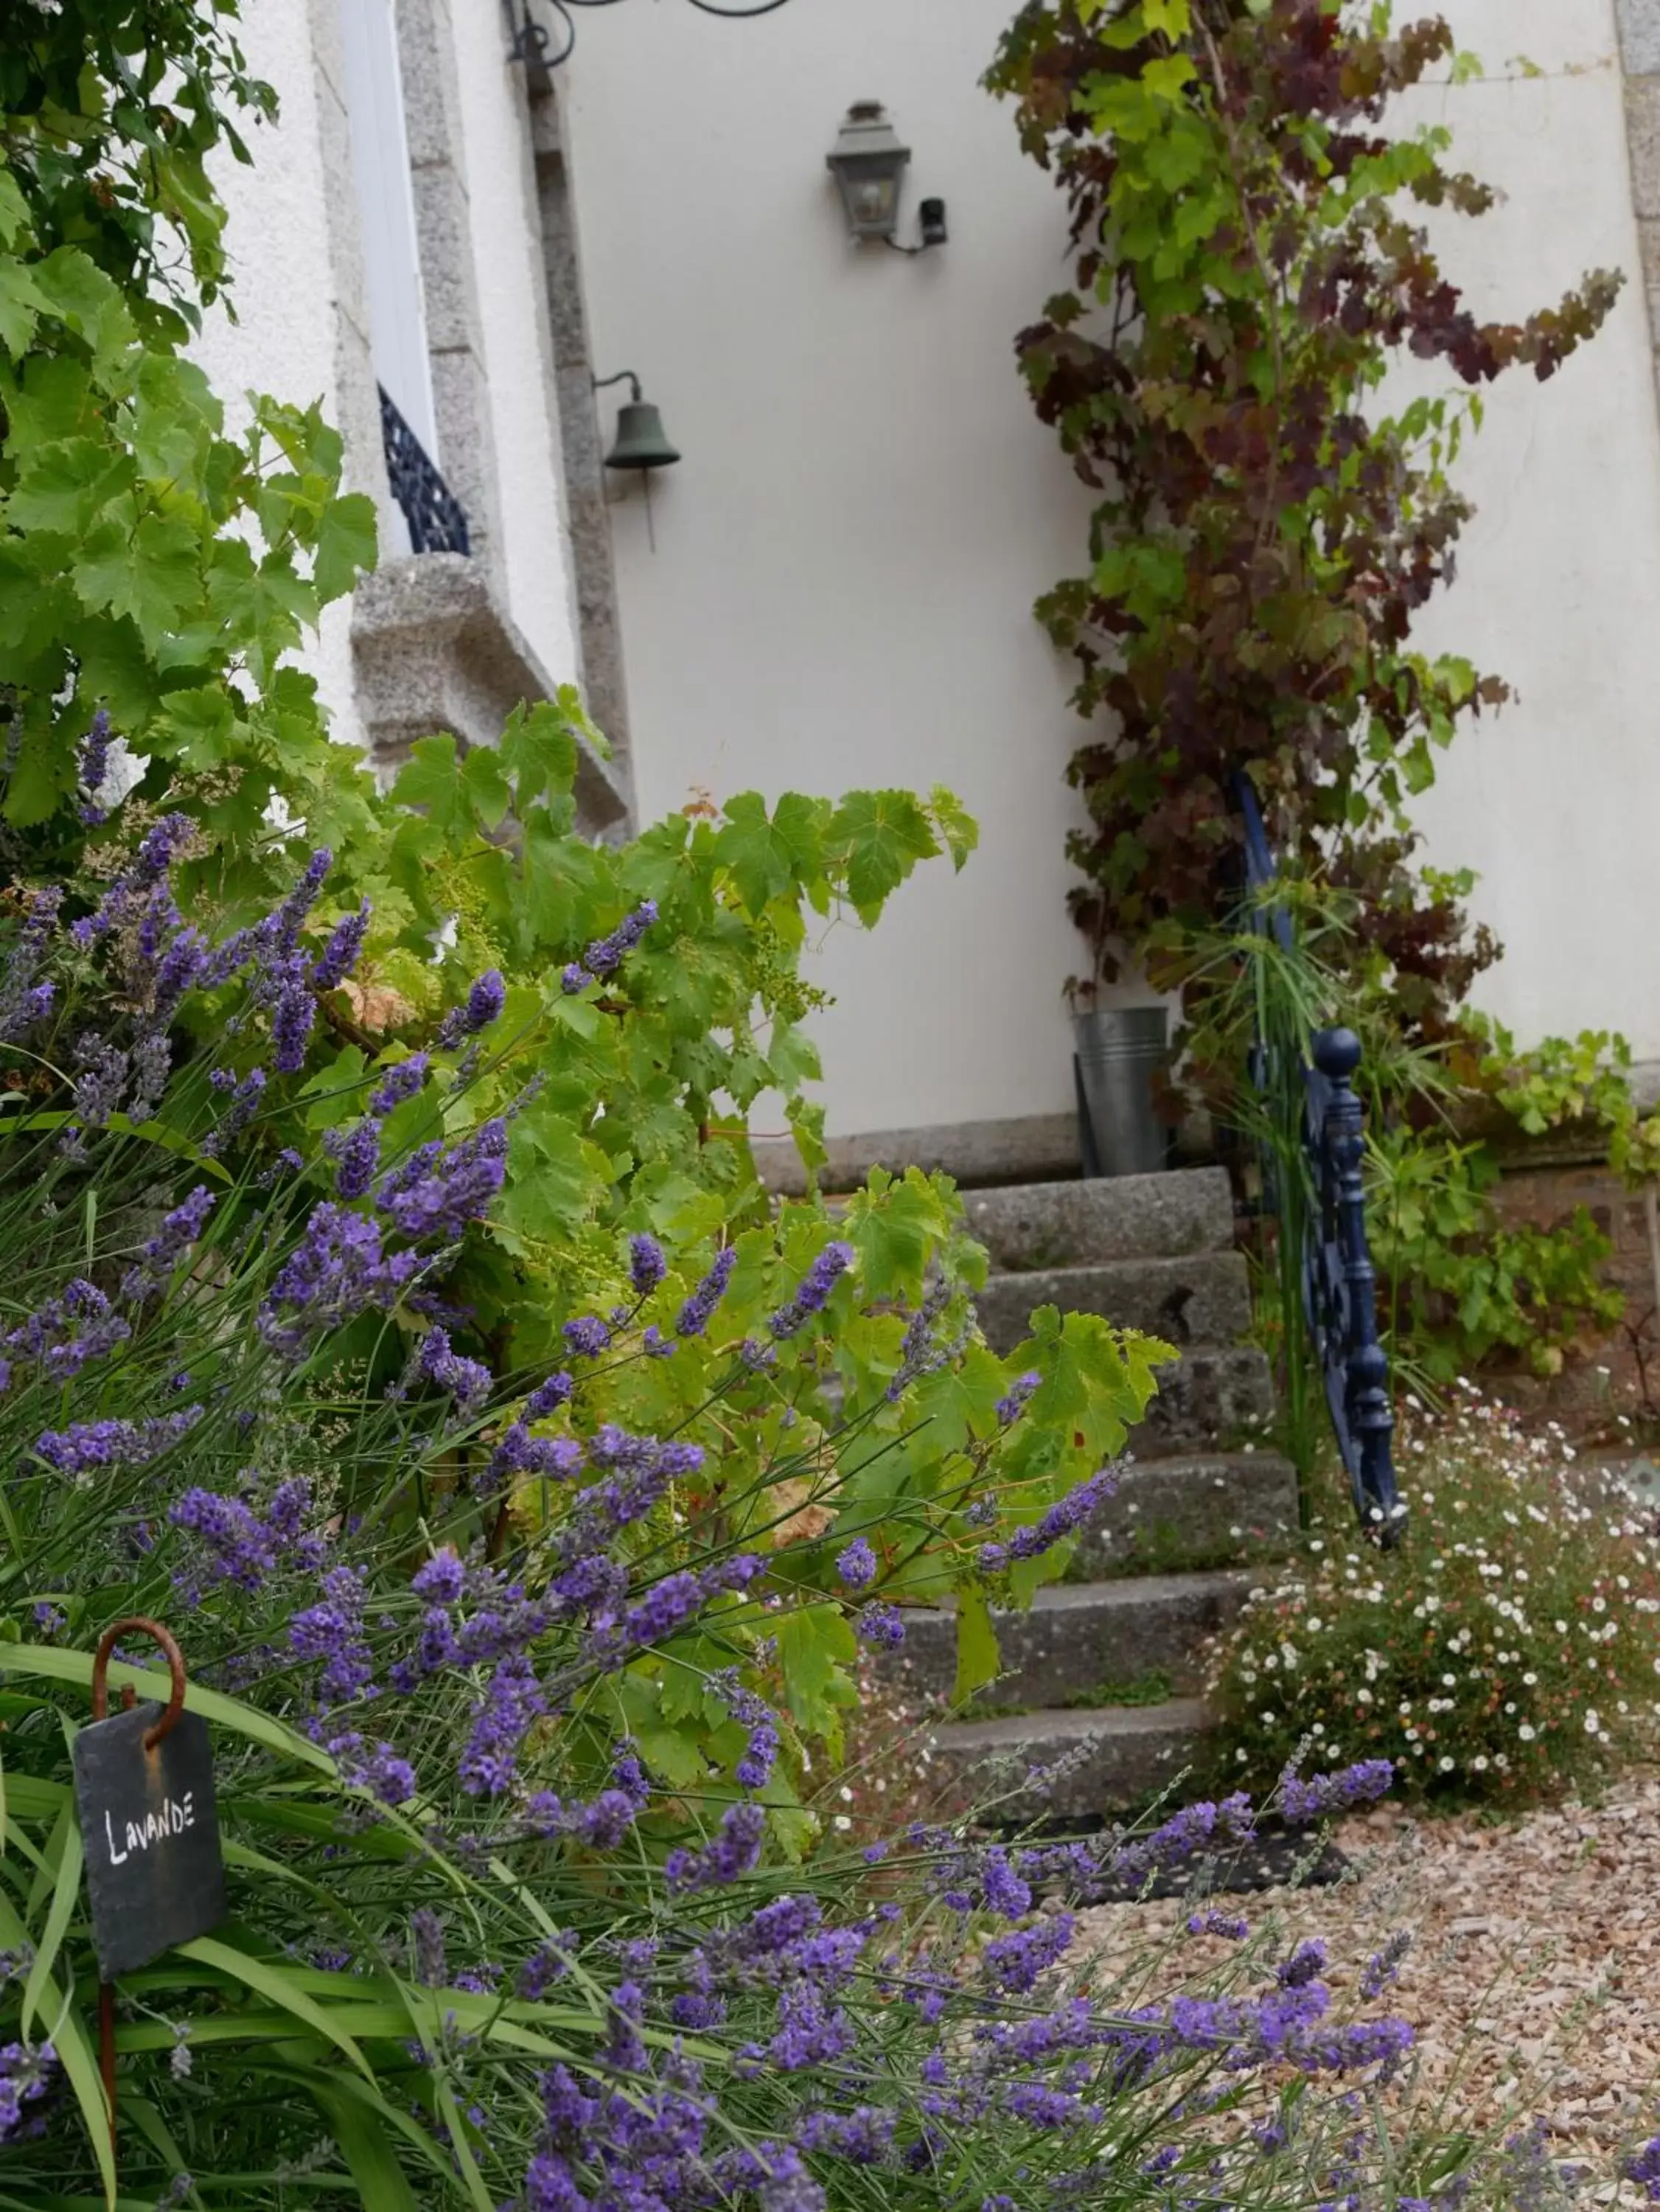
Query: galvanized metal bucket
1119	1050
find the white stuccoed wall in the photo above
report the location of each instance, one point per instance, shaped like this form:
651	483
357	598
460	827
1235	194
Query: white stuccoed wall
846	558
283	340
1556	800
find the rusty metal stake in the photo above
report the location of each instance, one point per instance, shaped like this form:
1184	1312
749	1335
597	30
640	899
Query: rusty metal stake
101	1708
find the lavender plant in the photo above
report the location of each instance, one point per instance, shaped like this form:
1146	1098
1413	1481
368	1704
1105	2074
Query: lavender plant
517	1675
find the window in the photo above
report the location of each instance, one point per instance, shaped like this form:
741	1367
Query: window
392	261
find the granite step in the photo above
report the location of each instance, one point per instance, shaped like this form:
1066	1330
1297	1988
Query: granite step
1099	1761
1215	1396
1202	1511
1198	1297
1081	1640
1045	1226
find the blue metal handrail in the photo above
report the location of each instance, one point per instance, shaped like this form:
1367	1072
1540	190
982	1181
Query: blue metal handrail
1339	1282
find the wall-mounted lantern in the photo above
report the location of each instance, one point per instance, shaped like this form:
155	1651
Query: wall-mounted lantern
868	161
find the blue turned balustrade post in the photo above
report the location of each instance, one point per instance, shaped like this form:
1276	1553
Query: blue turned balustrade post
1357	1367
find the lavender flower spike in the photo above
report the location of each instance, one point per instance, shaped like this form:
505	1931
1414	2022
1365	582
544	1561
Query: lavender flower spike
813	1291
23	1001
483	1005
698	1308
1302	1801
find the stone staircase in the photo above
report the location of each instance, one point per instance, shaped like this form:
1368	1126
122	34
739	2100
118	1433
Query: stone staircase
1103	1673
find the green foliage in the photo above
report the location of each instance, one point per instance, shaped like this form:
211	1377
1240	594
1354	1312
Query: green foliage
151	565
206	1426
1508	1652
1250	264
1460	1288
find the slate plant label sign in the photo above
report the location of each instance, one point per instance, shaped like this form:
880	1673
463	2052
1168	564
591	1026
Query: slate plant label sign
149	1826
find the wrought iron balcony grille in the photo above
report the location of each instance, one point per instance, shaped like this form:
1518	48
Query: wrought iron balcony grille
437	520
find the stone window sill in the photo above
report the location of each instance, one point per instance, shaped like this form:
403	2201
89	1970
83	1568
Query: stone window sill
435	650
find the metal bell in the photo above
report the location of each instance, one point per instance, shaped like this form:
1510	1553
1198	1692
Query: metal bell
641	442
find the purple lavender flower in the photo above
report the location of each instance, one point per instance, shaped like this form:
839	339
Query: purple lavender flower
401	1081
1213	1922
482	1005
179	969
513	1699
548	1396
426	1943
607	954
93	769
151	1061
574	978
438	1191
1010	1408
1005	1891
292	1020
357	1159
337	1271
1382	1968
245	1098
879	1623
814	1290
64	1334
25	2077
128	895
100	1079
1645	2170
1304	1964
1012	1964
441	1581
647	1264
1063	1519
332	1635
468	1381
588	1336
1361	1784
377	1767
544	1968
698	1308
726	1858
86	1447
857	1564
289	918
340	955
23	999
242	1546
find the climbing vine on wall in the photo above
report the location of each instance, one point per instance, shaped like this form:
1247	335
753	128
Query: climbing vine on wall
1253	258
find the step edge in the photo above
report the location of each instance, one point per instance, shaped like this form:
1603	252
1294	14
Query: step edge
1123	1592
1176	1716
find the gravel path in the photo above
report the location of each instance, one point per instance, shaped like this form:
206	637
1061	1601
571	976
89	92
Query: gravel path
1534	1975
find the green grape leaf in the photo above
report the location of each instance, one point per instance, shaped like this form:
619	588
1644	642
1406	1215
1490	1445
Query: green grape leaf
431	780
346	544
881	835
978	1659
956	826
816	1646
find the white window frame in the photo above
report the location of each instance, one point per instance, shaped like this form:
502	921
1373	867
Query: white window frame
396	299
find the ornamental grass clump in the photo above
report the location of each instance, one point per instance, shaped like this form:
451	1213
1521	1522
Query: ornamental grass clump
1509	1650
